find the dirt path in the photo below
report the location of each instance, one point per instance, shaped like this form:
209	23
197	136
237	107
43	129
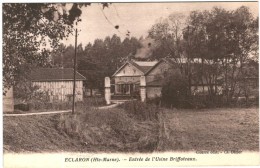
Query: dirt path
110	106
37	113
59	112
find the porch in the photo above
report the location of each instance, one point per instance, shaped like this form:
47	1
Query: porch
125	89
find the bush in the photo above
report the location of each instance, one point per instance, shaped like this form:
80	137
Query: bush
95	101
48	106
156	101
141	111
111	129
175	91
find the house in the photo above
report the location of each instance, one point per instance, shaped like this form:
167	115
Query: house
57	83
127	77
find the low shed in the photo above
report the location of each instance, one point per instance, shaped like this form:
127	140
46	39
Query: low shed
58	83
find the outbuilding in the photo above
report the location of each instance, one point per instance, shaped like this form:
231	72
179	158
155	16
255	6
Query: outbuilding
57	83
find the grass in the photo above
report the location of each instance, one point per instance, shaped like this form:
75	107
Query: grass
117	130
88	131
95	101
111	129
211	129
36	134
141	111
42	106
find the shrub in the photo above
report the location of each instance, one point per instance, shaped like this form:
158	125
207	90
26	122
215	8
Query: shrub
52	106
141	111
112	129
26	92
175	91
95	101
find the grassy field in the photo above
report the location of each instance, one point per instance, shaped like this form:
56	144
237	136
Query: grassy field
214	129
114	130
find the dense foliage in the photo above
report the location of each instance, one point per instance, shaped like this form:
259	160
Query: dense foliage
223	44
175	91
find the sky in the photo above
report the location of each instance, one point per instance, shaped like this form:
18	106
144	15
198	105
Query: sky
137	17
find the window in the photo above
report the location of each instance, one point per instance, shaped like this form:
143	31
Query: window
118	88
134	71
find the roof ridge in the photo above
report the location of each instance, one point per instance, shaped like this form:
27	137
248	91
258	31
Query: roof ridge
51	68
47	74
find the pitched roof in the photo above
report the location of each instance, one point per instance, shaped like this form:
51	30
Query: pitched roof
167	60
54	74
146	63
155	83
143	66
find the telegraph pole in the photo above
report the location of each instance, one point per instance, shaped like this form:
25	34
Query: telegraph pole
75	67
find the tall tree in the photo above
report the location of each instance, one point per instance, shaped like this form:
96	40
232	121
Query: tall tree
28	28
221	37
168	33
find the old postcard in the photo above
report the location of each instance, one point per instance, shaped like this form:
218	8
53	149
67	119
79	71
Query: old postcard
109	84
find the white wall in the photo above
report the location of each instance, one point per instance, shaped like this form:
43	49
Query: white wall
8	101
199	89
58	90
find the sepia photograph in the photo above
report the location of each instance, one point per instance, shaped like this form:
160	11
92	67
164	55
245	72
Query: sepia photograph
94	84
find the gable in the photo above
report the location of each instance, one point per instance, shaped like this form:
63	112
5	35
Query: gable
159	68
128	70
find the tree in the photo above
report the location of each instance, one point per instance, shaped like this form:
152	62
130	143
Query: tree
28	28
204	39
217	46
129	48
175	90
168	33
224	40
